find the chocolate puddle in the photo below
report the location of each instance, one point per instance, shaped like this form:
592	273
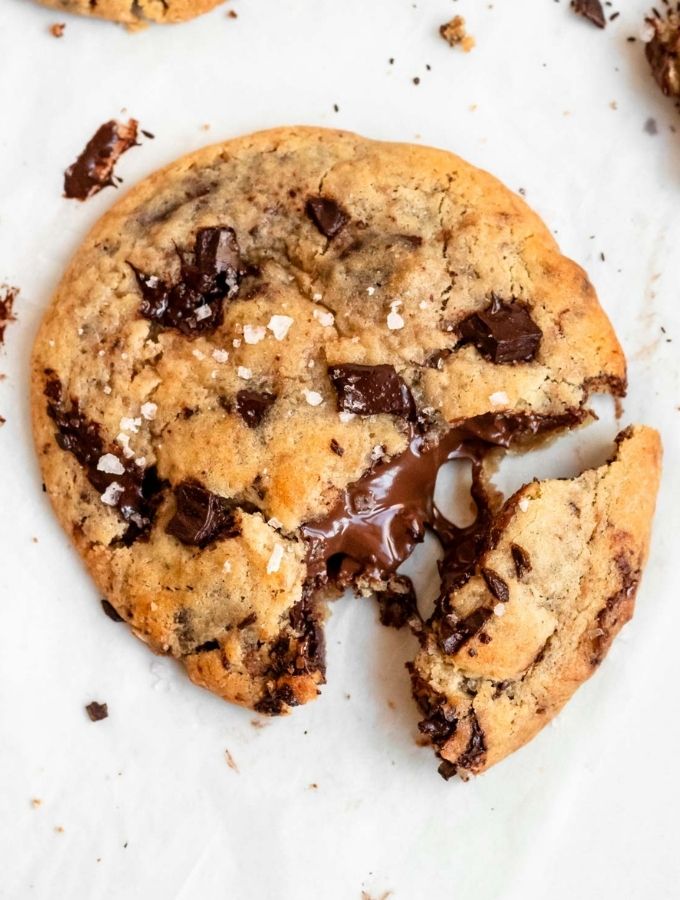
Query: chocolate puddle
379	519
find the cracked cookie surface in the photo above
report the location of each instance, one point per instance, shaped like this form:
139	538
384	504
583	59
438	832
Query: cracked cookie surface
136	13
272	324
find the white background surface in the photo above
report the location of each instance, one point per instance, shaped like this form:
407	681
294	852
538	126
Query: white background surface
148	806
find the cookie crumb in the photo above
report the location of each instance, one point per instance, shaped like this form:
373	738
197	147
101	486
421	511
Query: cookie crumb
232	15
36	802
59	829
454	34
663	50
8	295
231	762
97	711
57	30
590	10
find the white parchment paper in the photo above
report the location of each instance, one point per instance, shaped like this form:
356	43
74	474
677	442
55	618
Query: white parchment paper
338	798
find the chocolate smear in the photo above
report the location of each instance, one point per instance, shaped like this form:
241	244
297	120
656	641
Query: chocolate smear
132	490
503	332
93	170
328	216
8	295
194	303
591	10
201	517
97	711
369	390
253	406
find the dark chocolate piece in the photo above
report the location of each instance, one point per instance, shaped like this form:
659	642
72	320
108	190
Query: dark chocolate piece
520	557
476	746
194	303
111	611
97	711
663	52
447	769
336	448
134	492
591	10
93	170
503	332
496	585
398	604
328	216
253	406
454	633
369	390
200	516
7	297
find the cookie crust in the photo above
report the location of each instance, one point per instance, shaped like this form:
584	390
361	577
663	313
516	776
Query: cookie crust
136	13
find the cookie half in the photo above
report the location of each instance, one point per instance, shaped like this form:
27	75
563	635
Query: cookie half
136	13
255	365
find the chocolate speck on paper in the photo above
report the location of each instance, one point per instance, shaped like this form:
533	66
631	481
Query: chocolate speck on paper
97	711
231	762
651	127
93	170
8	295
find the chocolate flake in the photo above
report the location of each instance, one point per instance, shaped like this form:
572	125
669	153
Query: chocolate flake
93	170
521	559
111	611
591	10
369	390
454	633
97	711
497	587
253	406
194	304
201	517
503	332
336	448
328	216
8	295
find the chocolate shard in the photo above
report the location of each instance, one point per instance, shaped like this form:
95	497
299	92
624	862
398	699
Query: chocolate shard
591	10
93	170
496	585
455	633
97	711
201	517
253	406
447	769
369	390
336	448
503	332
111	611
194	303
521	559
327	214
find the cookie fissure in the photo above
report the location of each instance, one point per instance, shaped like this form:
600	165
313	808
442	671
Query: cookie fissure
194	304
131	489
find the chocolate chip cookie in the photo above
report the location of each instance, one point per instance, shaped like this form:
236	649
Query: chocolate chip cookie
246	384
136	13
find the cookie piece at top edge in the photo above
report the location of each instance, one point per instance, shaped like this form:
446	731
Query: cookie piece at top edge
208	310
136	14
515	662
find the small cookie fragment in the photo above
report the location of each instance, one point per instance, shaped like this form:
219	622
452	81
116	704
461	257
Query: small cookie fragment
8	295
57	30
663	51
93	170
454	33
590	10
97	711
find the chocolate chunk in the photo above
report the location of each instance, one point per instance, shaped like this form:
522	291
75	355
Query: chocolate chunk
663	52
134	493
476	746
503	332
336	448
194	304
111	611
328	216
249	620
7	297
447	769
398	604
93	170
520	557
454	633
97	711
591	10
200	516
496	585
207	646
369	390
252	406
